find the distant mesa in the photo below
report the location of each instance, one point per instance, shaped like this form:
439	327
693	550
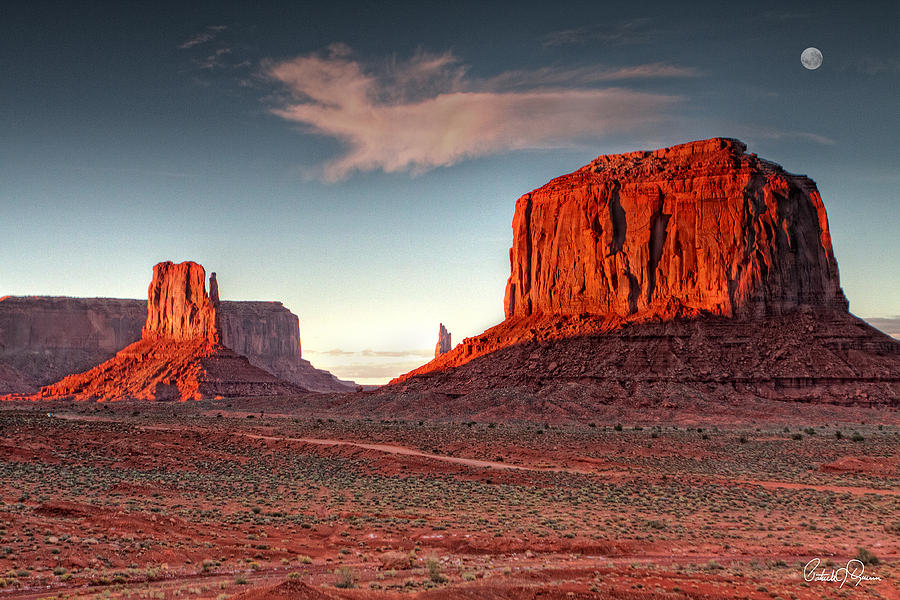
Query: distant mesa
696	271
179	356
443	345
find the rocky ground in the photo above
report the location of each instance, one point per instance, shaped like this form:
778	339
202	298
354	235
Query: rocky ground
247	499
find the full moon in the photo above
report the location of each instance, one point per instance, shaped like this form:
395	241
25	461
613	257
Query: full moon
811	58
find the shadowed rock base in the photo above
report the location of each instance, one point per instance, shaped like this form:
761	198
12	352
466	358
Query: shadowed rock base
825	357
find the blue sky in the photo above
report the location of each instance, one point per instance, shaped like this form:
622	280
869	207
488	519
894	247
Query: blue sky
360	162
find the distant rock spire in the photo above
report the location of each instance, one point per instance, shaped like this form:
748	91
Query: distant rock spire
213	289
443	345
214	298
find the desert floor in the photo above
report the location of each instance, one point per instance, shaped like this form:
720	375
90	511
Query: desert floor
224	500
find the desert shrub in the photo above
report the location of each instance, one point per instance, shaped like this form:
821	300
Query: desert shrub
857	437
743	440
345	578
838	435
866	557
797	436
434	571
618	427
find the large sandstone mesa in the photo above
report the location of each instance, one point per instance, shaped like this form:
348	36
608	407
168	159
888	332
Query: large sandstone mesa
700	228
43	339
658	271
443	345
179	356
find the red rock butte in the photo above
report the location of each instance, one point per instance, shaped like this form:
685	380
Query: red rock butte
179	355
703	236
700	228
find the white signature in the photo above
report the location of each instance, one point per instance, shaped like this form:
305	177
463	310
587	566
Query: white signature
853	571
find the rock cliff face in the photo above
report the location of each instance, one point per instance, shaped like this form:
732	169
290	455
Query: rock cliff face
670	272
179	356
700	228
45	339
443	345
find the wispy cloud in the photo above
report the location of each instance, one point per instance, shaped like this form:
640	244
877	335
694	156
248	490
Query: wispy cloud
751	132
781	16
207	35
427	112
378	373
552	77
634	31
372	353
870	65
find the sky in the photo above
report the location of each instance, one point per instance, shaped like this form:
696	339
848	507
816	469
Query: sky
360	162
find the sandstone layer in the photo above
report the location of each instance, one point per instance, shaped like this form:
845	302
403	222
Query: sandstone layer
443	345
43	339
179	355
690	268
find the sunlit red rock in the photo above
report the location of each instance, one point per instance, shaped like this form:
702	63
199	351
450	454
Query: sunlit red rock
178	307
700	228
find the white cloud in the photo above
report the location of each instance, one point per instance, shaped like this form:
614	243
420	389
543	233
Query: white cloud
426	112
755	132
